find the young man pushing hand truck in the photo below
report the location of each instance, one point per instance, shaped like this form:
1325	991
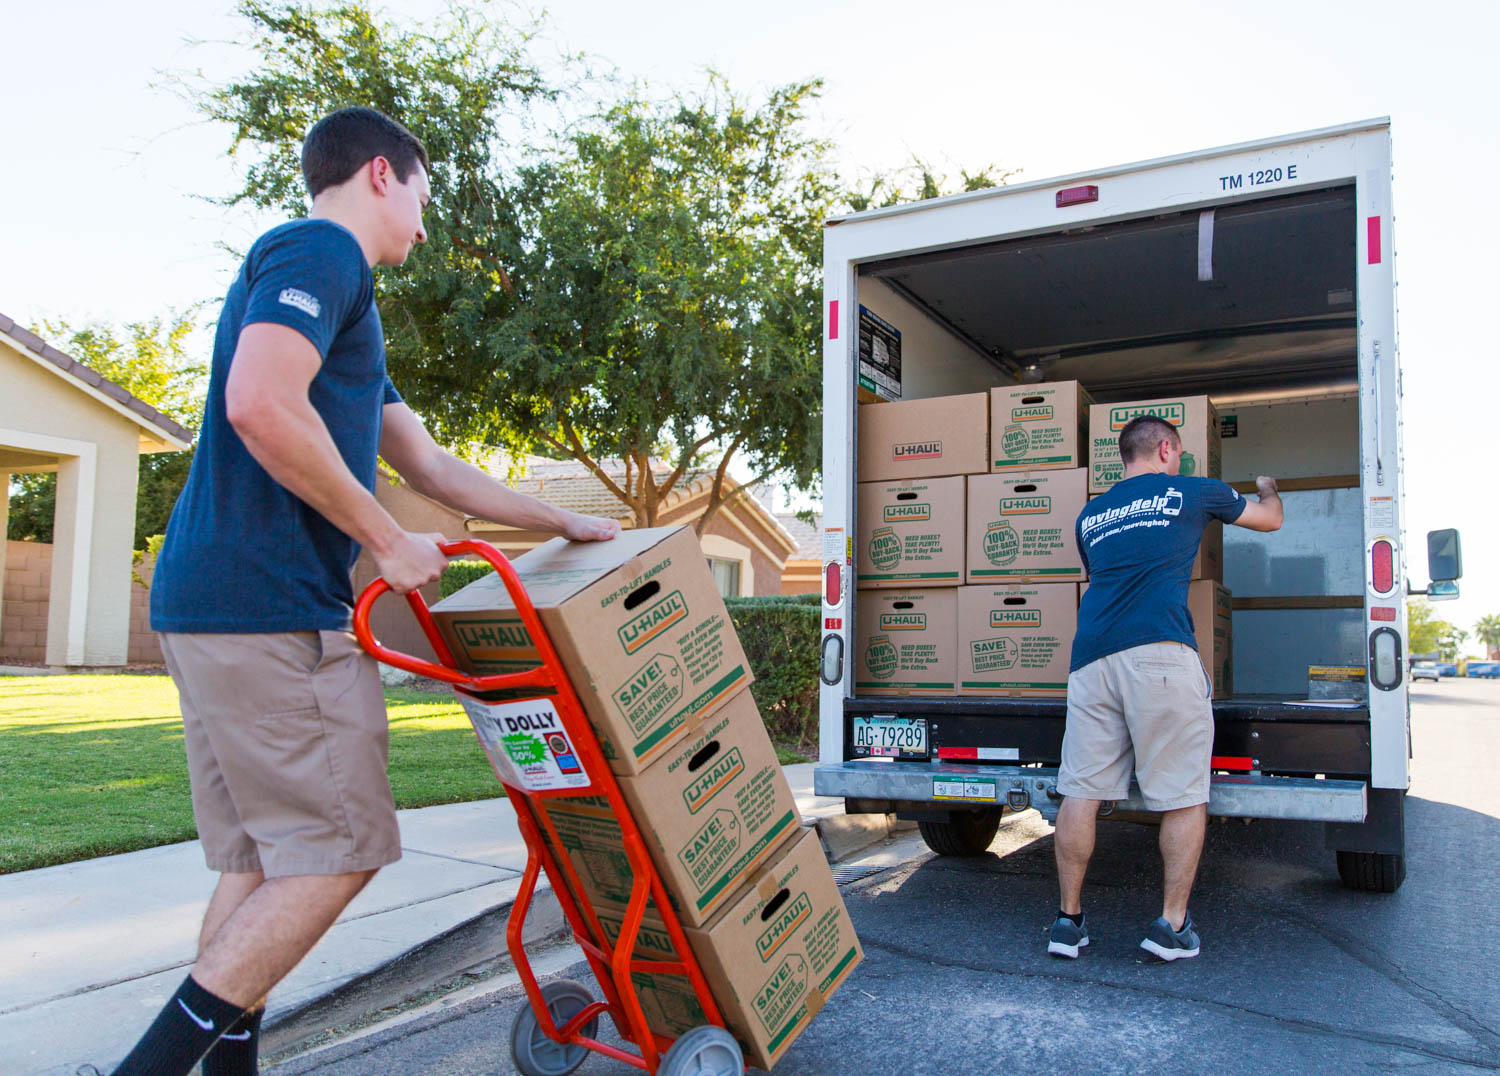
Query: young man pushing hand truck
283	714
1139	697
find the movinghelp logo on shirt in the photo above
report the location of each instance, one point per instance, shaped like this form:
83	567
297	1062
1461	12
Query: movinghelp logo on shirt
296	297
1167	503
1175	413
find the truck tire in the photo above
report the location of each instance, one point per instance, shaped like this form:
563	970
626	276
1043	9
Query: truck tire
1372	872
965	833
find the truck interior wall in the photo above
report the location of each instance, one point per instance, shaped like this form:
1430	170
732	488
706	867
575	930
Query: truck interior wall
934	361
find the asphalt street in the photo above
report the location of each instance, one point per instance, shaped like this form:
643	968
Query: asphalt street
1297	974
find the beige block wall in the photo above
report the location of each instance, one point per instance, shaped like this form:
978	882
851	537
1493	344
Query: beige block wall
23	614
39	402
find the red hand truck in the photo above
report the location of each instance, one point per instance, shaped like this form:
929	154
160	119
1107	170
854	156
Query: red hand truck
554	1034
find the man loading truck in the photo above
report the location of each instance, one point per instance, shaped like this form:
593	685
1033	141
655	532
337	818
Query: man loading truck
1139	697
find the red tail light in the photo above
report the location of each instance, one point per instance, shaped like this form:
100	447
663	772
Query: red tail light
833	583
1383	566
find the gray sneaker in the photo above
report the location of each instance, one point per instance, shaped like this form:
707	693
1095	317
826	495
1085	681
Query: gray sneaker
1168	944
1067	937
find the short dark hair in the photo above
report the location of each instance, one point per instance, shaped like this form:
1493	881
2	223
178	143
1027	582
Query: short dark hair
343	142
1142	434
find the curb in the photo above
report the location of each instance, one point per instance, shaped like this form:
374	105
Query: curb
476	941
843	835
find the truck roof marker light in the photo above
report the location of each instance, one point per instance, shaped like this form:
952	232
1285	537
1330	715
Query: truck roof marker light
1372	239
1382	566
1077	196
833	319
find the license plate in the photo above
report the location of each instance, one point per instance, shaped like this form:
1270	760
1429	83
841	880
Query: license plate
891	737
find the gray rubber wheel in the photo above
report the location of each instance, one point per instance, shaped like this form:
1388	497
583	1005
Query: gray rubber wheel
532	1051
966	833
704	1051
1372	872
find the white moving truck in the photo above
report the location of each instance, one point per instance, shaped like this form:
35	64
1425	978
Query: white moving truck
1258	274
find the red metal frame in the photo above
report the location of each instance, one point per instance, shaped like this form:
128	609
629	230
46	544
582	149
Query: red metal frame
611	965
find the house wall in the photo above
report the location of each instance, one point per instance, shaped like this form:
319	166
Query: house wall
23	624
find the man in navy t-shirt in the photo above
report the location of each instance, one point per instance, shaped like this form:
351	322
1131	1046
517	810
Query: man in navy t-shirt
283	714
1139	698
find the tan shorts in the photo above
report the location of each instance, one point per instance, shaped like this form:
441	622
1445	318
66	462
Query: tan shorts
287	743
1149	708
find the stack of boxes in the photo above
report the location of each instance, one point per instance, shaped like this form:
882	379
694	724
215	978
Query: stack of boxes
967	566
646	641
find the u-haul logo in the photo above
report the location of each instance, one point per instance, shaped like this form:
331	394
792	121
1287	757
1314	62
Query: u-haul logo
1015	618
903	621
1039	413
711	781
782	927
906	513
1025	506
652	621
493	635
917	450
1175	413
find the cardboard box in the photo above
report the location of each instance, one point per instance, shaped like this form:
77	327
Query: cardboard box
1034	427
913	533
1194	417
942	435
1212	607
715	808
1209	563
779	951
637	623
1022	526
668	1002
906	641
1016	639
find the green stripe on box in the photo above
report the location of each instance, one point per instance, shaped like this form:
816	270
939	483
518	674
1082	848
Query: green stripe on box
1077	572
781	1036
1032	461
899	683
828	981
644	747
909	575
740	864
1012	684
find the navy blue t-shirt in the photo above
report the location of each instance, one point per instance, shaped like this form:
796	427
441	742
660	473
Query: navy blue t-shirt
243	553
1138	543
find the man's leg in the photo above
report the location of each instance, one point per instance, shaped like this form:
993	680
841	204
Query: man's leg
1181	842
229	894
237	1053
271	931
1073	843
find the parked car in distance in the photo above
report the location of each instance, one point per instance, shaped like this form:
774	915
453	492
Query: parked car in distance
1425	670
1486	670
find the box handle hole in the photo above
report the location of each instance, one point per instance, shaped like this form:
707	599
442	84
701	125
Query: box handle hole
1015	601
903	605
1028	487
1032	399
697	761
908	496
641	594
776	902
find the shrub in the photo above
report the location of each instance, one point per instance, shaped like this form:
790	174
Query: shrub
460	573
780	636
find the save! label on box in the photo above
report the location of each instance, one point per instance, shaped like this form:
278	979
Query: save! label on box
526	743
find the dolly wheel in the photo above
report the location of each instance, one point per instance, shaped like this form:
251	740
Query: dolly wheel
530	1048
704	1051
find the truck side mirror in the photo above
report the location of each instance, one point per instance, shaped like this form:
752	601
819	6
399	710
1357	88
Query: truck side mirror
1445	561
1443	590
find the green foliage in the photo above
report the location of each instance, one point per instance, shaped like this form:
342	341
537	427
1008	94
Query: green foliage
1450	640
1422	627
151	360
460	573
1487	631
780	637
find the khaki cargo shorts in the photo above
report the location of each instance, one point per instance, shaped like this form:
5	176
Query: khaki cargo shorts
1149	708
287	741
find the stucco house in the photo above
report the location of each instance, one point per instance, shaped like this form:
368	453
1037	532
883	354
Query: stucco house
747	547
57	414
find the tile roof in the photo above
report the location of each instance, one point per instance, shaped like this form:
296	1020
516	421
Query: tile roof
809	537
92	378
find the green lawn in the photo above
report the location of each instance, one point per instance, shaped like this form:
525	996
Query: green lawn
94	765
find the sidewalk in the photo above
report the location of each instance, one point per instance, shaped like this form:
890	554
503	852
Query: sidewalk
93	949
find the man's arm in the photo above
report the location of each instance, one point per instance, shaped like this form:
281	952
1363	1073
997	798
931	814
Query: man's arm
1265	514
267	404
407	446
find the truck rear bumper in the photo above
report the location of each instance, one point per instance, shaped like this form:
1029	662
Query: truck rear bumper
948	785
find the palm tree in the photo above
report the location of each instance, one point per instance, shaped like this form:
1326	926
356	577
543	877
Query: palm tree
1487	631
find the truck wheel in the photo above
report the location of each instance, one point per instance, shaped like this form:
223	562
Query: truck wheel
1372	872
966	833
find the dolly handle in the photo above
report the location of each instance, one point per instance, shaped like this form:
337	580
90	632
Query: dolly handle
542	675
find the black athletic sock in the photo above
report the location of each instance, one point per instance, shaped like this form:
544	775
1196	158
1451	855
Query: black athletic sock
237	1053
184	1030
1077	919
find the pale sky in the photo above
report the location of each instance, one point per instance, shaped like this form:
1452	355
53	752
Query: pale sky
98	214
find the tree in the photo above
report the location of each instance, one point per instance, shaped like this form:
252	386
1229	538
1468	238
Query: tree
1487	631
149	359
1423	628
1450	640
